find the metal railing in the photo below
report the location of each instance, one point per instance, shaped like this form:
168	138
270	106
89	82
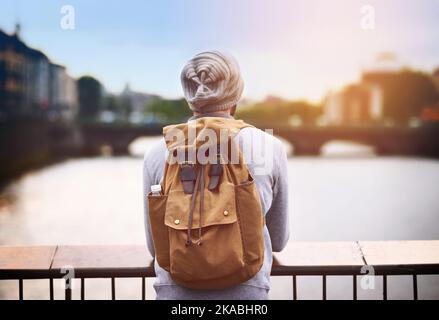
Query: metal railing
384	258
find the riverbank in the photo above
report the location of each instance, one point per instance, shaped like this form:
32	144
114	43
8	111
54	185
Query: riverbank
29	144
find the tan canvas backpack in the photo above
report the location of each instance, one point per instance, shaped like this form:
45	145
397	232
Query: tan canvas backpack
207	224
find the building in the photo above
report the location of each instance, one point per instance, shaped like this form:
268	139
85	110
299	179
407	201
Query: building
70	98
63	101
30	85
12	75
63	92
436	78
356	104
39	74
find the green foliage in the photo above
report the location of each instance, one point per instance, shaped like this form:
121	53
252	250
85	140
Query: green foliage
90	97
169	111
279	112
111	103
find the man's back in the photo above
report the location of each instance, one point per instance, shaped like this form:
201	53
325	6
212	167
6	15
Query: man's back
266	159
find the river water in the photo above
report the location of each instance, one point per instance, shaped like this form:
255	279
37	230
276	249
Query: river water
346	194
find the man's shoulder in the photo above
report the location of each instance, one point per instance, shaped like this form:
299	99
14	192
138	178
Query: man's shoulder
156	151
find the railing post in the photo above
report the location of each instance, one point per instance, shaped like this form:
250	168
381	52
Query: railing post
384	287
415	287
20	289
324	286
113	289
82	288
68	289
354	285
143	289
51	288
294	288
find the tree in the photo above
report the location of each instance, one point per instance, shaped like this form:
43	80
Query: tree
276	111
169	110
90	97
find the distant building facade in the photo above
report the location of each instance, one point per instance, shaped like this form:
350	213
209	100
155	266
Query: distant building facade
39	73
431	113
63	93
30	85
12	75
436	78
354	105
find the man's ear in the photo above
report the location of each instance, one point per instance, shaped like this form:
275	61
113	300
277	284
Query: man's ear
233	110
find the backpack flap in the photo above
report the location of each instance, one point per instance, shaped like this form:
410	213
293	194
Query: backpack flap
219	211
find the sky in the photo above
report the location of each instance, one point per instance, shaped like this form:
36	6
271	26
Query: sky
293	49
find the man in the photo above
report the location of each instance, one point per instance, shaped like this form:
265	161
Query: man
212	86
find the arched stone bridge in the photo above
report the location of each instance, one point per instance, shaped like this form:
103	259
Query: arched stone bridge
422	141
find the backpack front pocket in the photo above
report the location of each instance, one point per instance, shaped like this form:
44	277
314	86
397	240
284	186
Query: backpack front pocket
216	250
160	237
247	201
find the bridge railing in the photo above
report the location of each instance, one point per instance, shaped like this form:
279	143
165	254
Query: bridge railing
352	259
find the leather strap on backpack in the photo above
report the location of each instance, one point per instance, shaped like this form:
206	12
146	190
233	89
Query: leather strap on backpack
215	171
188	176
199	187
191	209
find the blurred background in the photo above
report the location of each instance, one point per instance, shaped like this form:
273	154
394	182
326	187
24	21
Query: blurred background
351	87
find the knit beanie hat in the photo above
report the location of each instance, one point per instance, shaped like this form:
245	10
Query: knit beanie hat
211	82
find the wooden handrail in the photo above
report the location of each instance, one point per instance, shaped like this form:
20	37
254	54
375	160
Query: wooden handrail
298	258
